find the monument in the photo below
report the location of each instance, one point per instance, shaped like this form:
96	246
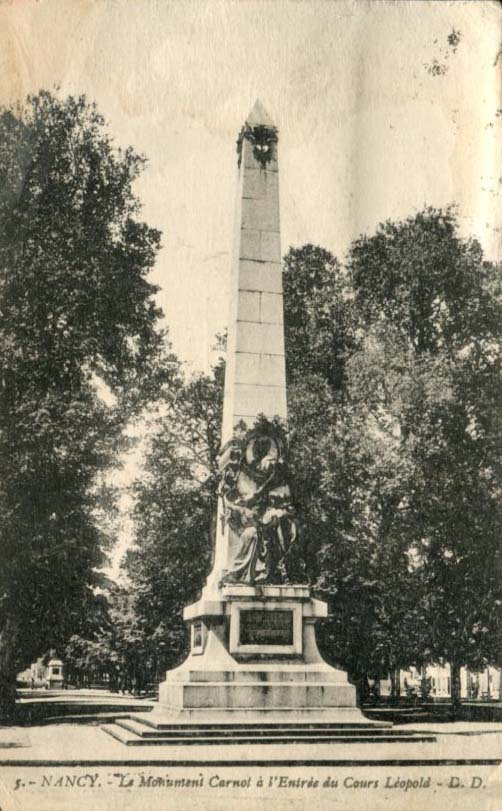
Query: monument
253	648
254	670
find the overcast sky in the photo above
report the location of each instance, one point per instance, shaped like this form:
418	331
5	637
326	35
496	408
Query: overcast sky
378	114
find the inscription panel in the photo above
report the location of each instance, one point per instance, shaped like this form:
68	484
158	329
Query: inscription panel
258	627
197	637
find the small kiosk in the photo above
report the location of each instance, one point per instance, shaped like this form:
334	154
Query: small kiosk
54	678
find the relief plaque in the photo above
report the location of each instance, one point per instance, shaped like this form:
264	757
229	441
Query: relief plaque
197	637
258	627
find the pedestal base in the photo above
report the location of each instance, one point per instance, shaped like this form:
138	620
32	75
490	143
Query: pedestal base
255	676
254	656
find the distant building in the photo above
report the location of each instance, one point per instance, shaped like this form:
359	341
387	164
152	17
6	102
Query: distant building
486	684
50	675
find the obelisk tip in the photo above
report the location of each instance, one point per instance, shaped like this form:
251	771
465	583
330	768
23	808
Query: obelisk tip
258	117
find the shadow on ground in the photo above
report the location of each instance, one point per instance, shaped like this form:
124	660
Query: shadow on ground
437	712
35	708
40	707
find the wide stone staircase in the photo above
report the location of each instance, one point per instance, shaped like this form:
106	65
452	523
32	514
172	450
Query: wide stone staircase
148	730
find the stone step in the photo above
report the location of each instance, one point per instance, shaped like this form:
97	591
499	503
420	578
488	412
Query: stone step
278	731
130	738
230	721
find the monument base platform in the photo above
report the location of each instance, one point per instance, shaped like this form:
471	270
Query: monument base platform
255	675
163	729
254	653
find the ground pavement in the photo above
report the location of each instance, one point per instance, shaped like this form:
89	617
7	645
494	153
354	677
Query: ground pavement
68	765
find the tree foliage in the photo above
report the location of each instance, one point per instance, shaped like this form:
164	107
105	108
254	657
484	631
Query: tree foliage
400	471
80	354
318	320
175	512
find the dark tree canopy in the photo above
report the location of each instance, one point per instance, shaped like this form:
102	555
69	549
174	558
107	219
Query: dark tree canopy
399	455
80	354
426	282
317	316
175	512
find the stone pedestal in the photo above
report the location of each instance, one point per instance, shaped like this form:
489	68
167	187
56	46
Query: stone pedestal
254	656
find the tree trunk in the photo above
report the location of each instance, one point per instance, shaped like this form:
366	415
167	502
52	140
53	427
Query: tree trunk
395	685
398	684
362	689
392	678
455	689
7	675
7	696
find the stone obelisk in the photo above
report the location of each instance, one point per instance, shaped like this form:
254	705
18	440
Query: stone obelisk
253	654
255	376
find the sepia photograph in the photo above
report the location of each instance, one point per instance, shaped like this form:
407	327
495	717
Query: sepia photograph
250	405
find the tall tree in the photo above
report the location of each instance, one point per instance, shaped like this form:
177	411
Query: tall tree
80	354
398	456
430	295
318	318
175	512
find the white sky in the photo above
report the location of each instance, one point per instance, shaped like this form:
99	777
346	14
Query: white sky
366	131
